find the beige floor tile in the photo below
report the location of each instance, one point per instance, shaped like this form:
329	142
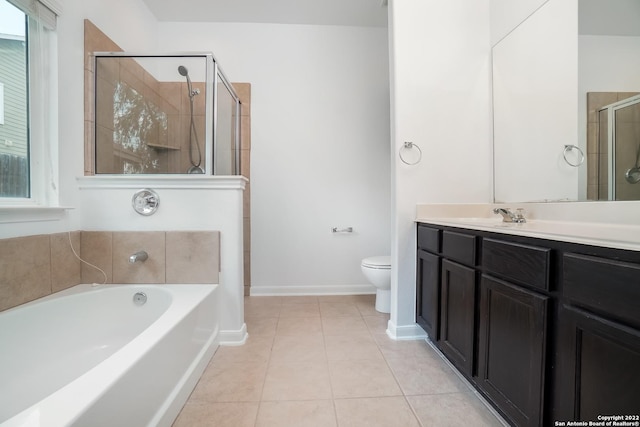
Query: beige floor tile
312	413
299	348
303	299
352	347
455	409
376	324
298	325
425	375
261	326
260	300
399	349
256	348
362	378
333	309
300	310
344	325
375	412
262	310
345	298
367	308
231	382
205	414
297	381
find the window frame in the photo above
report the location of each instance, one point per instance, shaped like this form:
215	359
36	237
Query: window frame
42	94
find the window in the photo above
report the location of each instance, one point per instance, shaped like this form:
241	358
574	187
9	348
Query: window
27	134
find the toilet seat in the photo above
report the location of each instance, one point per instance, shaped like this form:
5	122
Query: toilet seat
377	262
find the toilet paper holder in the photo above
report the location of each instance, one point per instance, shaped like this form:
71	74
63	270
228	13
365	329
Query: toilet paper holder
342	230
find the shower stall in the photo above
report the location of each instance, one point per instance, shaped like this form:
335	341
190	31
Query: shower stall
164	114
618	150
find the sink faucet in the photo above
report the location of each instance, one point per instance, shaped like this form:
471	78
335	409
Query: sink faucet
508	216
138	256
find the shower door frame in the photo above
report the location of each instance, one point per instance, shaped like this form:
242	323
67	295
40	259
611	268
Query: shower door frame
611	139
213	71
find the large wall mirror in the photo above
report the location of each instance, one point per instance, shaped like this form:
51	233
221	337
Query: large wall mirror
566	104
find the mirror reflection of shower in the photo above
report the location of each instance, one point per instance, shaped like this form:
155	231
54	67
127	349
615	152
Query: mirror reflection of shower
193	134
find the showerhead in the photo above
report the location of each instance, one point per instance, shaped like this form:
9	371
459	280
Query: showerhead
183	71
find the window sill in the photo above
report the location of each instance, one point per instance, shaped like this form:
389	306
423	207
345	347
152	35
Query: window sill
9	214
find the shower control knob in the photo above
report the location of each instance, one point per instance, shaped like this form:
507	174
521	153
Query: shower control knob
145	202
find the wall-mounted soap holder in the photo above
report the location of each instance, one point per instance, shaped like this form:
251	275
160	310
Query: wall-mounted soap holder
145	202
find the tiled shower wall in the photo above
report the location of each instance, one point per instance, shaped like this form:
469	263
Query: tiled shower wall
35	266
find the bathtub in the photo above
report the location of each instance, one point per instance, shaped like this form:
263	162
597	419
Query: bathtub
92	356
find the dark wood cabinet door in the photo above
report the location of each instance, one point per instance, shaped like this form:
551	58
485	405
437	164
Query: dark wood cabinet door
599	367
457	303
428	293
511	349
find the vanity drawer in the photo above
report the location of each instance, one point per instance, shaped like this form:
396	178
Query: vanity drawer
459	247
429	238
603	285
524	264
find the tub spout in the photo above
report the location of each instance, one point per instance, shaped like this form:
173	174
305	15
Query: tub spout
138	256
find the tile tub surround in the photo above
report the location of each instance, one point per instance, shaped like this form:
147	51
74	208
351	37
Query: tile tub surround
35	266
606	224
327	361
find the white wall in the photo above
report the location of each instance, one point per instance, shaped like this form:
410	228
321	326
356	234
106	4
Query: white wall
319	146
441	100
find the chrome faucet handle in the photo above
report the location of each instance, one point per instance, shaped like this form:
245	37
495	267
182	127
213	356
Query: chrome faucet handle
508	216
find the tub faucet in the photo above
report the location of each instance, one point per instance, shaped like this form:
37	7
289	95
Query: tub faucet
138	256
508	216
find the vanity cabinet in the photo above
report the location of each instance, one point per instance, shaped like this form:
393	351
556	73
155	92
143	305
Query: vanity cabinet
545	330
511	349
458	299
512	332
428	289
600	338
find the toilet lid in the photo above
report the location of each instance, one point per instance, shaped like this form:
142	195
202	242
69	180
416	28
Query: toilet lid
382	262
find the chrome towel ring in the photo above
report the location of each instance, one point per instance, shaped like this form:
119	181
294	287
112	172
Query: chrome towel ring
408	146
567	149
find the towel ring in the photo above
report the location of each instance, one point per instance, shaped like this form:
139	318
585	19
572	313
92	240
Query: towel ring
409	145
567	149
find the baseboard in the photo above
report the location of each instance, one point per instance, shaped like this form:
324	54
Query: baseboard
407	332
312	290
231	338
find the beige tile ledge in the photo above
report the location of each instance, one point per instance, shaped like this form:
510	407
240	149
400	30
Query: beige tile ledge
596	225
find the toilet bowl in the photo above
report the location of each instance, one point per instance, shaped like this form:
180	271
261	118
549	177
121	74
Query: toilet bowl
377	270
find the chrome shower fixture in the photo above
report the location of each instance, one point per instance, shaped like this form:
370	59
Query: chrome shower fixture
182	70
193	134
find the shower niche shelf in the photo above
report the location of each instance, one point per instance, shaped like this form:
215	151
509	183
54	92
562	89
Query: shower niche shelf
164	114
162	147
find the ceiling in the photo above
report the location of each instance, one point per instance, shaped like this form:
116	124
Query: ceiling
360	13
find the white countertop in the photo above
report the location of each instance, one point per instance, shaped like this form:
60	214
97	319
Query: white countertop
481	217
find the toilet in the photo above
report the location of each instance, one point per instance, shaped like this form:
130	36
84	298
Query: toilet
377	270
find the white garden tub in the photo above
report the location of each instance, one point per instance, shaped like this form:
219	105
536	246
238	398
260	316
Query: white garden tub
91	356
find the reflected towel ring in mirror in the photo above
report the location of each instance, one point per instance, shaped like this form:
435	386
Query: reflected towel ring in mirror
567	149
408	146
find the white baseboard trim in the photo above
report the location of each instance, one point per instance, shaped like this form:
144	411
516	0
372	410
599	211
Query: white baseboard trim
407	332
233	338
312	290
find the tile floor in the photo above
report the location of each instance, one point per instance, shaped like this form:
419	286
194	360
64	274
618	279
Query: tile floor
326	361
